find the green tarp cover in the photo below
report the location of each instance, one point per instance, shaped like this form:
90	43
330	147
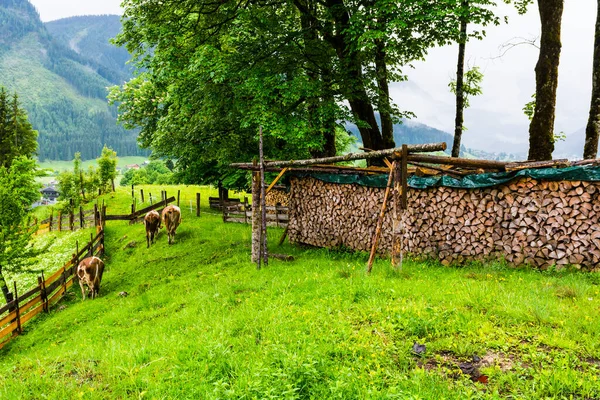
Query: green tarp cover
584	173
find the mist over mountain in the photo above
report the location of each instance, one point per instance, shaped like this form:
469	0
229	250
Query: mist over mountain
62	80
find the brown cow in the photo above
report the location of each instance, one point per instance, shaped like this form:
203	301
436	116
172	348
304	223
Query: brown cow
152	224
89	272
171	218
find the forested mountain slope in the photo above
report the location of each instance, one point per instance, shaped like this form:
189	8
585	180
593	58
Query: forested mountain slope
89	36
64	92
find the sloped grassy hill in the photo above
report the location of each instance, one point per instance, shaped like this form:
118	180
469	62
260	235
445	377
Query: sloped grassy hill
200	321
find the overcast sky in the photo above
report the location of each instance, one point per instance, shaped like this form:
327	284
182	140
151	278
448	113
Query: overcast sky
56	9
495	120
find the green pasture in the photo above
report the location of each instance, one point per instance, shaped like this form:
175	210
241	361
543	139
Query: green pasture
197	320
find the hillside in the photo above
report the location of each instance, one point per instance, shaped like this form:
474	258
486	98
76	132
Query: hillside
89	36
200	321
63	92
410	132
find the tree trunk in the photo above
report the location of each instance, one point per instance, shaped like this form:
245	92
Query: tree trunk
351	65
387	126
329	124
541	129
592	130
460	96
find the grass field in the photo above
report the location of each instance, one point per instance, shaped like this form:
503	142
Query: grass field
68	165
199	321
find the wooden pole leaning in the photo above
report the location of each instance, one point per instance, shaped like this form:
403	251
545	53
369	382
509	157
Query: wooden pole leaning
380	219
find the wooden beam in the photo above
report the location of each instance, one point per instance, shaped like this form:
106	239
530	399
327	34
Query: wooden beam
516	166
461	162
380	220
276	180
414	148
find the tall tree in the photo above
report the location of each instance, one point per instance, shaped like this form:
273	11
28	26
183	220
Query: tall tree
460	68
18	190
592	130
17	137
107	165
541	129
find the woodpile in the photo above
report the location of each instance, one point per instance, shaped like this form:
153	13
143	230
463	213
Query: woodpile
526	221
277	197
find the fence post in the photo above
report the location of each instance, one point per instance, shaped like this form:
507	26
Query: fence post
142	194
276	216
102	243
91	249
222	201
81	221
59	220
178	193
16	300
96	214
42	285
50	220
71	220
197	204
132	192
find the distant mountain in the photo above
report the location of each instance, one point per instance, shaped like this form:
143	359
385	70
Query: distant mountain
89	36
410	132
63	91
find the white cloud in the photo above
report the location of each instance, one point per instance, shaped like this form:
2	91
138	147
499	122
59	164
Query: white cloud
51	10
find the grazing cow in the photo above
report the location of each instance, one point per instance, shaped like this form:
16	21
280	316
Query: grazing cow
152	224
89	272
171	218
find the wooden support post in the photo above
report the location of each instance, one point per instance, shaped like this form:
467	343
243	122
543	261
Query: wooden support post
197	204
18	318
256	228
397	226
282	239
132	208
59	220
223	208
132	192
380	220
276	179
178	194
263	202
50	221
96	216
142	194
404	173
81	218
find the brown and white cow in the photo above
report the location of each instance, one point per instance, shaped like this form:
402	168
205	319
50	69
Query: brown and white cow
152	224
171	218
89	272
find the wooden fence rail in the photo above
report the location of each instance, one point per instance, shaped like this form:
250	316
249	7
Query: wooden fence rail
240	213
47	292
136	215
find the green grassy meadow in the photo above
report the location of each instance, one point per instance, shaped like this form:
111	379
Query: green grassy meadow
199	321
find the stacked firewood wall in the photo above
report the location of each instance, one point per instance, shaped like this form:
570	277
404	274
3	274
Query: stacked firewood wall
525	221
277	197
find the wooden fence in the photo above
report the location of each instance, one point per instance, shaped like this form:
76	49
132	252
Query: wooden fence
137	215
70	221
48	291
242	213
